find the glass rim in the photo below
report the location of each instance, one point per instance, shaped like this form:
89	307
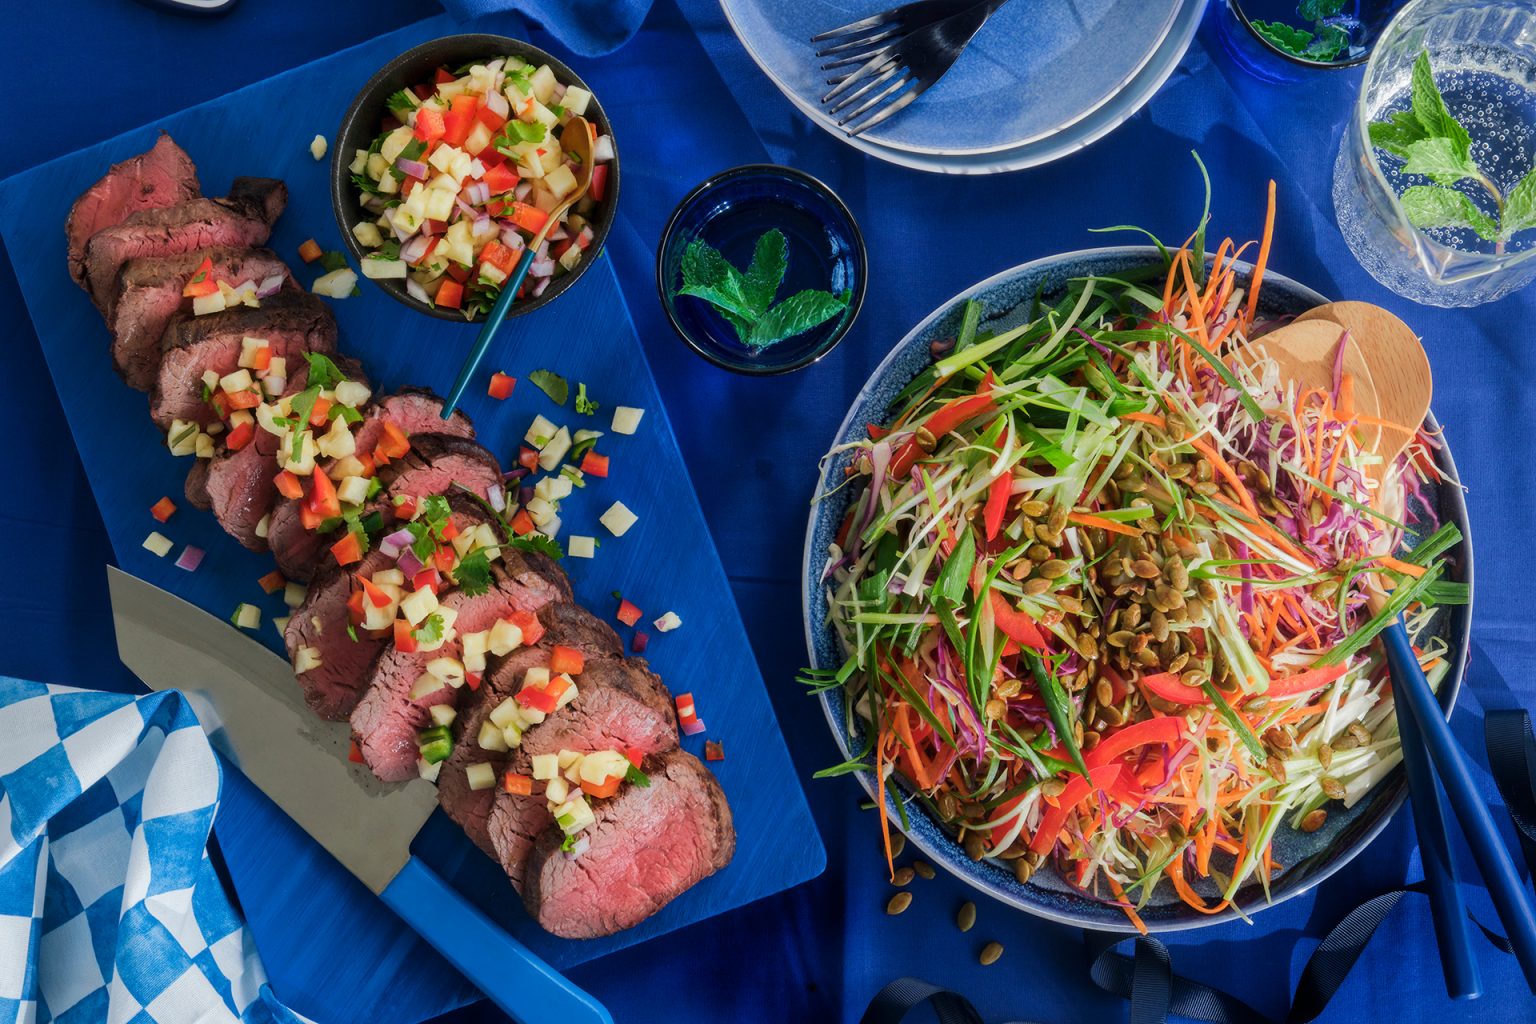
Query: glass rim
1236	7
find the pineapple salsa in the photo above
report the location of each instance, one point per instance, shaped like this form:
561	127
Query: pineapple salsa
465	172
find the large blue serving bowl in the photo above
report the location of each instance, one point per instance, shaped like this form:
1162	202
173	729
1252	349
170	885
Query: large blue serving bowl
1308	858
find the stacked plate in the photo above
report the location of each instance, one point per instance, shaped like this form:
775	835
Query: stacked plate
1042	79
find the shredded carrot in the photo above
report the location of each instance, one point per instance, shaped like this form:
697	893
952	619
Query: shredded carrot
885	820
1099	522
1125	904
1228	473
1398	565
1150	418
1263	260
1180	886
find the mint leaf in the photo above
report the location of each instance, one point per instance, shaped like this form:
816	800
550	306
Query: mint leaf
1283	37
1318	10
770	259
1397	134
1430	109
1331	41
1430	206
708	276
552	384
1439	159
795	315
1520	207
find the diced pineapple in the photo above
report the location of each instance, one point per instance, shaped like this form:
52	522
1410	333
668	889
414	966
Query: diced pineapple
359	161
532	716
367	234
306	658
540	432
557	791
443	714
394	144
203	446
570	257
540	511
439	204
551	529
513	735
505	638
264	527
442	157
337	442
538	113
566	758
478	139
425	684
537	678
418	605
247	616
317	147
378	165
294	594
474	645
481	776
353	393
377	269
576	99
250	349
388	578
205	304
447	669
505	713
626	419
158	544
553	453
545	767
338	284
239	380
304	463
581	547
460	168
561	182
389	184
553	488
353	490
543	83
618	519
490	737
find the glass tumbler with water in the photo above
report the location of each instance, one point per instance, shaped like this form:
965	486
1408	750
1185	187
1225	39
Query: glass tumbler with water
1438	201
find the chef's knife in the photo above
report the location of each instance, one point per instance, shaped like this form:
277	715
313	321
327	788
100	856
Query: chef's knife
253	713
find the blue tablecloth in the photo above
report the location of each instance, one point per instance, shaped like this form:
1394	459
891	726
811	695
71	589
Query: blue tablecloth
817	954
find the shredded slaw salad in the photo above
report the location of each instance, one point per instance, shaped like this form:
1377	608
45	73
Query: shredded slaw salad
1104	598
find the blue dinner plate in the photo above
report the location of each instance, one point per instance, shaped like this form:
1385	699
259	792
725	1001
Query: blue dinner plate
1307	858
1042	78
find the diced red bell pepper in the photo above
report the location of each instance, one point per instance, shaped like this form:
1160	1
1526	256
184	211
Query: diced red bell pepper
635	755
598	189
443	558
429	124
628	613
457	273
567	660
347	550
353	753
240	436
593	464
322	409
309	250
1078	789
1015	624
322	498
536	698
288	485
450	530
163	509
440	76
499	256
472	680
428	578
376	596
528	458
517	785
366	461
450	295
714	750
308	518
488	117
241	400
272	582
522	523
355	611
459	119
405	640
997	504
528	218
393	443
406	510
201	282
556	687
529	625
220	402
608	787
501	178
686	712
501	386
261	359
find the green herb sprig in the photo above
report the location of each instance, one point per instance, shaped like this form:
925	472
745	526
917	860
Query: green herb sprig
746	300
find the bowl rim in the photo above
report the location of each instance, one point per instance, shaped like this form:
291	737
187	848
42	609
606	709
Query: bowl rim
369	95
861	257
1447	695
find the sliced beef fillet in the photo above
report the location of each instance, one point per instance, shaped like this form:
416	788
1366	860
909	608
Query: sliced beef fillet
386	720
148	295
438	462
293	323
332	688
197	485
567	625
648	845
162	176
241	491
619	704
242	218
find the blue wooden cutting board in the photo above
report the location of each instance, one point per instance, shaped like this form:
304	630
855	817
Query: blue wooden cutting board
332	951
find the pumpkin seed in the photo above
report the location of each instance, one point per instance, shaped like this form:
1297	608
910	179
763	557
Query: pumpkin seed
1054	569
1178	575
1052	787
975	846
925	439
1325	756
1120	638
1169	597
1023	870
1202	470
966	919
1069	604
990	953
1277	738
1257	704
1206	589
1333	789
1058	519
1194	609
1345	742
1361	734
1038	553
1008	688
1035	507
1089	739
1104	693
1194	677
1043	533
1036	586
903	876
1146	569
995	709
923	869
1087	646
901	901
899	843
1276	768
1112	715
1177	663
1131	617
1159	625
1314	820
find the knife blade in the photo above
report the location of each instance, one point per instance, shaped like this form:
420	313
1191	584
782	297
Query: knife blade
250	706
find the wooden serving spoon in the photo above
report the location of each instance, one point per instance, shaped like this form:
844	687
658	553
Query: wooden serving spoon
1390	352
576	139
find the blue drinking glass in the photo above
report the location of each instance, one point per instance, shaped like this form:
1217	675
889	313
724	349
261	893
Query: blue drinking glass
1282	40
730	212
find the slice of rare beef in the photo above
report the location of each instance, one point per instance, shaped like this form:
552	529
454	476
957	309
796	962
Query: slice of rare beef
438	463
161	176
387	719
242	218
240	489
149	294
649	845
292	322
333	686
197	485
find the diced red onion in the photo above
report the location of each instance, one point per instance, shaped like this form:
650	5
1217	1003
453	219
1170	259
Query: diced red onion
542	268
520	193
585	238
390	546
515	474
602	149
431	228
483	229
412	168
640	642
557	93
692	728
509	236
557	233
543	251
478	193
496	497
408	562
191	557
415	248
269	286
524	495
541	284
496	103
416	291
465	208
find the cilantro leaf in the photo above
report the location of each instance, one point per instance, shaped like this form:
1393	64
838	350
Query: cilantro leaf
770	259
1431	206
431	629
303	405
333	260
795	315
367	184
1520	207
584	405
323	373
552	384
402	102
538	544
637	777
473	574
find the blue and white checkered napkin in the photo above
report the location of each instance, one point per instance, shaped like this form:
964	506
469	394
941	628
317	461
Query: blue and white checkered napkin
110	910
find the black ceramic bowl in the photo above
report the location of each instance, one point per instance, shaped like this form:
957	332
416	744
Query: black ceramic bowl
361	123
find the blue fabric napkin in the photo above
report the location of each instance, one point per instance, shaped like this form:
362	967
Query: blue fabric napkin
110	910
588	27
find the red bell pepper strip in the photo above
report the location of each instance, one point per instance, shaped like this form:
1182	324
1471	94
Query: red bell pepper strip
634	755
428	579
309	250
376	597
347	550
322	408
997	504
241	400
405	640
536	698
528	458
488	117
517	785
714	750
1167	730
355	612
567	660
443	559
1016	625
1168	686
948	416
354	754
1078	789
1301	682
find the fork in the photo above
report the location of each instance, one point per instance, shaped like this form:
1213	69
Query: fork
901	52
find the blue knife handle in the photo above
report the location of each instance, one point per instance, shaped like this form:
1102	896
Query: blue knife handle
488	330
527	988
